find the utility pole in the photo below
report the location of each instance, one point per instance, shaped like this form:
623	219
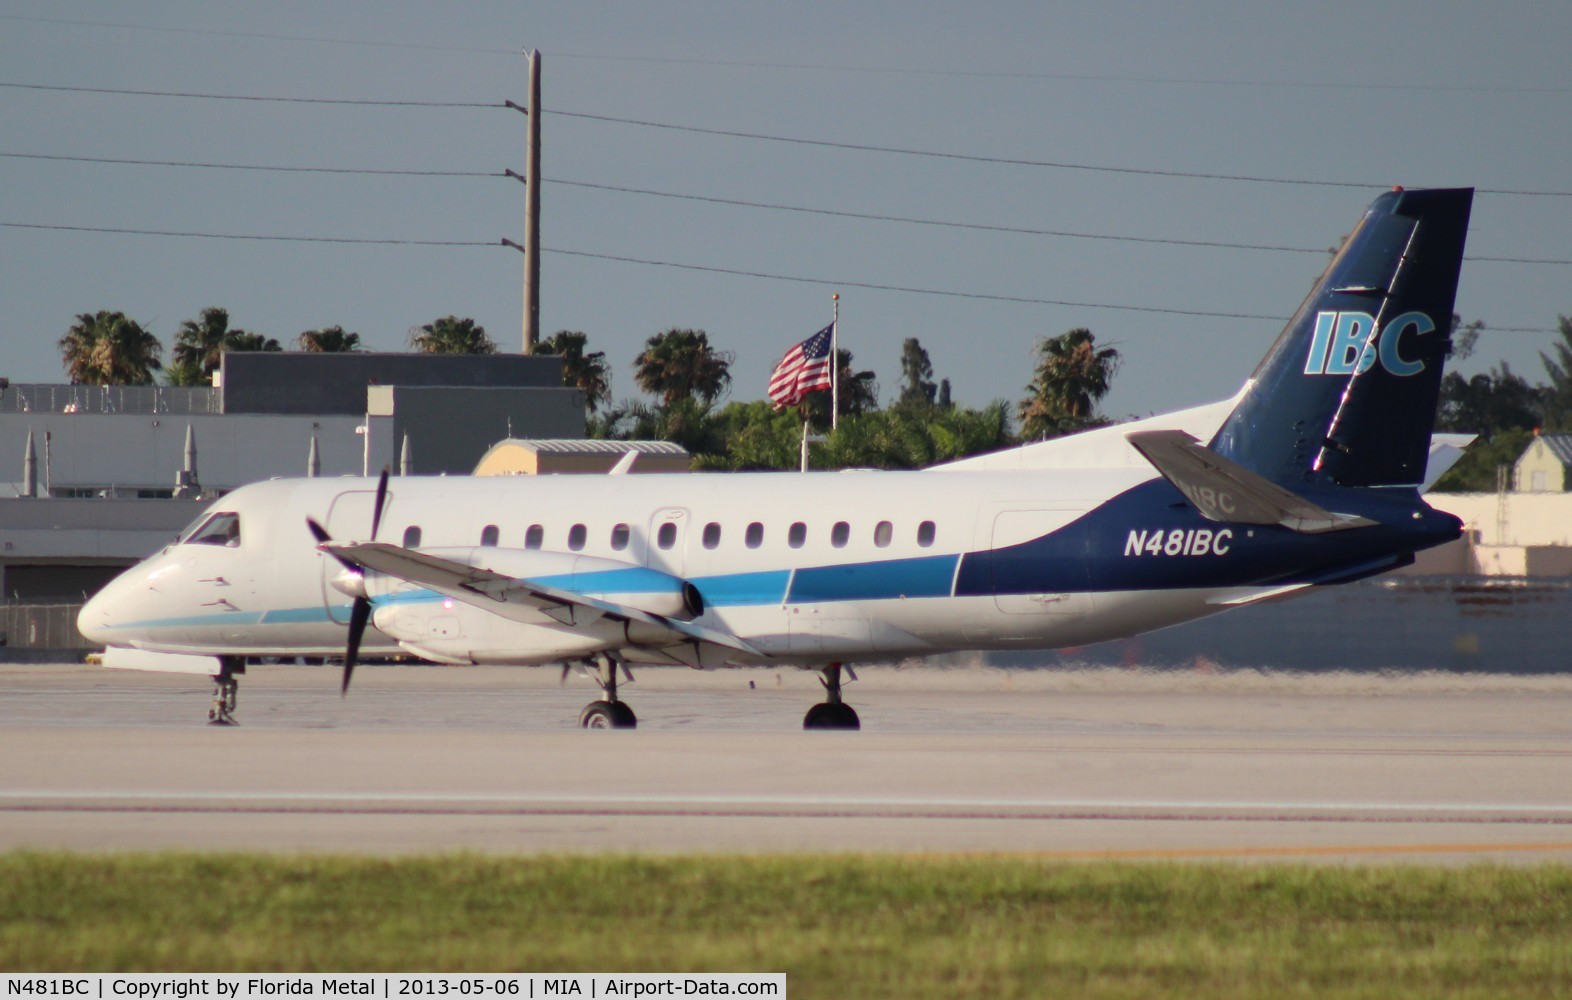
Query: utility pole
532	211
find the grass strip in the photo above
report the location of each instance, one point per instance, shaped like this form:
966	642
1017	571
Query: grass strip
838	926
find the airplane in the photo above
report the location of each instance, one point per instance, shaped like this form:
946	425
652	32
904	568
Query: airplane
1310	476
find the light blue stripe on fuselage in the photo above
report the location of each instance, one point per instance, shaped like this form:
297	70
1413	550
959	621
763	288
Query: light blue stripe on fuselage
743	589
301	616
596	583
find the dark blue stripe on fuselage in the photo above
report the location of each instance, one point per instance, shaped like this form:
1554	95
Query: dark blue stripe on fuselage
1097	552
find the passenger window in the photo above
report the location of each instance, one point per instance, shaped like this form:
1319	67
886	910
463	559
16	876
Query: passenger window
711	535
882	533
666	536
576	536
488	535
619	536
412	537
534	535
797	534
925	532
839	534
755	536
220	529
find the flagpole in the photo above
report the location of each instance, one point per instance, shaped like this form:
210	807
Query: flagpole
835	363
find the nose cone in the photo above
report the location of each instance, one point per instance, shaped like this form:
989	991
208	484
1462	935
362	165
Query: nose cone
93	620
100	619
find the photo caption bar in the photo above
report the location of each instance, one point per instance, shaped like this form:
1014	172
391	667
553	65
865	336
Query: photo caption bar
389	986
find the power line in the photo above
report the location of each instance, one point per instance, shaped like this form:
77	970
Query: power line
735	272
771	206
1014	161
251	97
985	227
912	220
210	33
764	137
838	283
949	293
818	67
245	236
254	166
835	213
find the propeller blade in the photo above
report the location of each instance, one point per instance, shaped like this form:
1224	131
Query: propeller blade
382	496
359	615
320	534
360	611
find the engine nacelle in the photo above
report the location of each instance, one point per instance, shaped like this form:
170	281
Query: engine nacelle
608	580
450	631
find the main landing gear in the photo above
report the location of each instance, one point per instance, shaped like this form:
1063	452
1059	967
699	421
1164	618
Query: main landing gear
832	713
608	713
225	689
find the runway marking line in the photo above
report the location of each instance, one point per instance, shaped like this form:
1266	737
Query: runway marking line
86	798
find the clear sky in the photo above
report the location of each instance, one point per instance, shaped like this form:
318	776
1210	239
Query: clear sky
1108	109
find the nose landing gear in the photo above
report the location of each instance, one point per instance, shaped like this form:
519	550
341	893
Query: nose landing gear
225	690
832	713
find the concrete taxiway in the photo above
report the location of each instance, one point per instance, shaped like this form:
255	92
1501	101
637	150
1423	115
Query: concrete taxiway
1057	764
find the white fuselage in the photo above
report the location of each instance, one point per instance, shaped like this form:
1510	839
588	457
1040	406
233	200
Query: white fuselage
806	568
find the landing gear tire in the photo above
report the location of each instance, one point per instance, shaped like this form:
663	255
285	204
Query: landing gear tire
826	715
832	713
607	715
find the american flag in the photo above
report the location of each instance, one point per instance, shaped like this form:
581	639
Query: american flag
804	369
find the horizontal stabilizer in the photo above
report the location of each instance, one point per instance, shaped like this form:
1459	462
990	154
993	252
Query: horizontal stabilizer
1222	490
1446	450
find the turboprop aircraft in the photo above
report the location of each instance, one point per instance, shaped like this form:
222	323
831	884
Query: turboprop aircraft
1309	476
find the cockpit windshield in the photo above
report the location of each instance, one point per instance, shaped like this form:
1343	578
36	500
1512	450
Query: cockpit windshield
222	528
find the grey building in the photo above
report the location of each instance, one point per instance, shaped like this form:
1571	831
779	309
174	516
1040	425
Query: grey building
94	478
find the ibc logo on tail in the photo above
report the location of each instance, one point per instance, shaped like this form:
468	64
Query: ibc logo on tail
1347	343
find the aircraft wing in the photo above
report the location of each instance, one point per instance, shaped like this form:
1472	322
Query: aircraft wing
1225	491
525	601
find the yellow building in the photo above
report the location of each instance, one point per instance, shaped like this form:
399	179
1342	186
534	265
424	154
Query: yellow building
519	457
1542	468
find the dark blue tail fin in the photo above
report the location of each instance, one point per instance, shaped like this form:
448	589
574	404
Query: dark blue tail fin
1348	393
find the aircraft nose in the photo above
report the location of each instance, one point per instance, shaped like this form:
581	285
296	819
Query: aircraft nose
95	619
92	620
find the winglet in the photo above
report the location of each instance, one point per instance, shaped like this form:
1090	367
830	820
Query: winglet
1225	491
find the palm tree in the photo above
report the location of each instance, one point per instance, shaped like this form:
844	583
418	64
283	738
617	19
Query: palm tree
917	387
680	364
240	340
107	348
580	370
329	340
201	343
451	335
1071	376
